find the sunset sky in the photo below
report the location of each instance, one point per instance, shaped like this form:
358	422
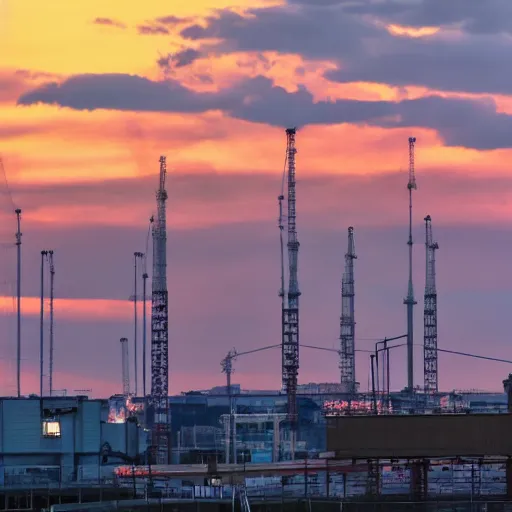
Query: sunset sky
93	92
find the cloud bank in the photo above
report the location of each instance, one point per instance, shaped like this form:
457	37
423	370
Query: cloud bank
460	122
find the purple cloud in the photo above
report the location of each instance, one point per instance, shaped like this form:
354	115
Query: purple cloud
460	122
152	30
109	22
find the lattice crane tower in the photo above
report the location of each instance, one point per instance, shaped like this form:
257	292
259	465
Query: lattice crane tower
347	321
159	328
430	313
409	300
290	317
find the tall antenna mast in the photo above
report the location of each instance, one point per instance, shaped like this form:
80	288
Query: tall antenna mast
18	301
41	327
159	327
125	367
290	322
17	211
144	329
281	245
52	282
409	300
136	256
347	322
430	313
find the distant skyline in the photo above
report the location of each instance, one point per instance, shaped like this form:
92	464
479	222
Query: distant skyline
92	93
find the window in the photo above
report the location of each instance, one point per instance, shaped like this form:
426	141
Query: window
51	428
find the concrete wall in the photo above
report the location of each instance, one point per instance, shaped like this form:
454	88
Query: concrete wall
90	418
76	453
420	436
115	435
21	426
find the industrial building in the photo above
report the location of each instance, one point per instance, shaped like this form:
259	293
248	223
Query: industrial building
63	440
200	419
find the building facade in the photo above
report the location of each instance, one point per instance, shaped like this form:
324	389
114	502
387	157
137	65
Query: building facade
63	440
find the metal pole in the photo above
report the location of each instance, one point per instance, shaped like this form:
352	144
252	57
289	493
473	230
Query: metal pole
377	369
135	322
41	326
18	302
388	376
52	276
230	402
384	367
144	329
372	358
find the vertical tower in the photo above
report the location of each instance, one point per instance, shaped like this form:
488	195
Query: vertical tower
159	327
125	367
347	321
18	301
409	300
290	319
41	327
52	284
136	256
227	368
281	247
144	328
430	312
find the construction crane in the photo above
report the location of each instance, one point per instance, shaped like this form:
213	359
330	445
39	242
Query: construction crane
347	320
409	300
125	367
227	368
430	313
52	294
159	328
290	317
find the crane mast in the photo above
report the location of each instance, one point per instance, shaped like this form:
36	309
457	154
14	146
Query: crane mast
290	317
281	247
430	313
159	328
227	368
347	321
125	367
52	294
409	300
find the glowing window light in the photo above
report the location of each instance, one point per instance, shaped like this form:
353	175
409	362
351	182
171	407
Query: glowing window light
51	428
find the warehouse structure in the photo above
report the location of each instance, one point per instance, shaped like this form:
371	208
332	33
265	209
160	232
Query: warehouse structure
64	440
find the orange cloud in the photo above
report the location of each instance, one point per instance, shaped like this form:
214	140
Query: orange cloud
75	309
400	30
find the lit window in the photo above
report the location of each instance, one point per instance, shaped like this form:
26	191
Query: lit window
51	428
